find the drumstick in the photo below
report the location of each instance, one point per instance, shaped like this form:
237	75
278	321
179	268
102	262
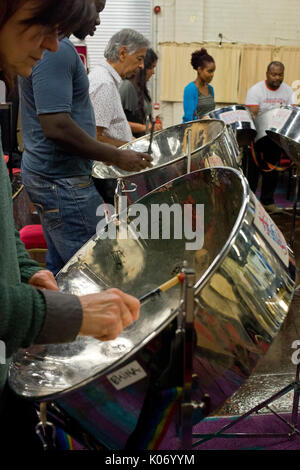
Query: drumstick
163	287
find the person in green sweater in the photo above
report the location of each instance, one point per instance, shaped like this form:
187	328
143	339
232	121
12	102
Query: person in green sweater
32	310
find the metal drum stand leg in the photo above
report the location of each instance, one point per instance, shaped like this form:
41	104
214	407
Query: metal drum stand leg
186	329
265	404
293	229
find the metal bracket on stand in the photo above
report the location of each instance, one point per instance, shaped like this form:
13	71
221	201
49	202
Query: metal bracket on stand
186	329
189	151
293	228
120	204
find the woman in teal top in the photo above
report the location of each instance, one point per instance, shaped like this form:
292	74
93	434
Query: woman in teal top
198	97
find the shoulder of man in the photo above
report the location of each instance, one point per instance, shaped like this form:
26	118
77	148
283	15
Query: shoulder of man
100	77
261	85
287	87
65	56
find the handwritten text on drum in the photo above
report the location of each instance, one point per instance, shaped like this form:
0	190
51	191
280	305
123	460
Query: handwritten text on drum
159	221
2	353
151	459
128	375
296	354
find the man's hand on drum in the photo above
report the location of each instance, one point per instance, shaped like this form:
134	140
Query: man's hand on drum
106	314
130	160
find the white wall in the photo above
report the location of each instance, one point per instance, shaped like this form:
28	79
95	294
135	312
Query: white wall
275	22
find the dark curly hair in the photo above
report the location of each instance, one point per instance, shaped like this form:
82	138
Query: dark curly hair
200	58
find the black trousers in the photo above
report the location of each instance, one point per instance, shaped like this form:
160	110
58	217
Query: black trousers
266	151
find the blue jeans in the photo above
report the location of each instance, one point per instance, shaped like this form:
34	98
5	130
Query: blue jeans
67	209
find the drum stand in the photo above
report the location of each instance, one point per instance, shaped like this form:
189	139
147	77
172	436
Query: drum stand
188	406
293	228
265	404
187	332
120	194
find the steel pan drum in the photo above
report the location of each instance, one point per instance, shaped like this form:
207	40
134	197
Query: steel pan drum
212	144
245	280
266	120
284	130
240	119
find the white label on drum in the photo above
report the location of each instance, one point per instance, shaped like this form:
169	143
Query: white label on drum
128	375
280	118
235	116
271	232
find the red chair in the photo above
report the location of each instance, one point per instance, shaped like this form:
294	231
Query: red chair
33	238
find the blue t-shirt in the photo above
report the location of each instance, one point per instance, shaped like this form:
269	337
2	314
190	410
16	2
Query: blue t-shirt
58	84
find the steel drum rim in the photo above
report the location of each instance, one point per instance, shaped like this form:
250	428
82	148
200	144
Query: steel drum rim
201	283
146	170
228	107
222	254
270	132
107	370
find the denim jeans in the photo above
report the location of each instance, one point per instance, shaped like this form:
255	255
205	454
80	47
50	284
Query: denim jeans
67	209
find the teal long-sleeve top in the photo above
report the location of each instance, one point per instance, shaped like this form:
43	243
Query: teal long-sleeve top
190	101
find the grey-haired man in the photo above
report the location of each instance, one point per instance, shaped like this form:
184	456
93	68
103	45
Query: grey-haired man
124	55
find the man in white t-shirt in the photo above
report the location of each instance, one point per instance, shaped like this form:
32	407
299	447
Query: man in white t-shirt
265	95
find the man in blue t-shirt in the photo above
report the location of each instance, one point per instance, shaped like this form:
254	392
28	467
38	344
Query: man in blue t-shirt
59	133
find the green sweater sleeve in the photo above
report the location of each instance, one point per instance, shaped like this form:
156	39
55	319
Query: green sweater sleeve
23	311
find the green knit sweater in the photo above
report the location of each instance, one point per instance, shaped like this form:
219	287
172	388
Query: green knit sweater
22	307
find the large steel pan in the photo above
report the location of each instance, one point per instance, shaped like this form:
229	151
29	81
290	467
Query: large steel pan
245	276
240	119
266	120
212	144
284	130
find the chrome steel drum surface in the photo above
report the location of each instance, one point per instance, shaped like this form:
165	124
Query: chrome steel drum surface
240	119
212	144
245	280
285	131
264	121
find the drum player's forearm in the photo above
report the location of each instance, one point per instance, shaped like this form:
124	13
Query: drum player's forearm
108	140
63	130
